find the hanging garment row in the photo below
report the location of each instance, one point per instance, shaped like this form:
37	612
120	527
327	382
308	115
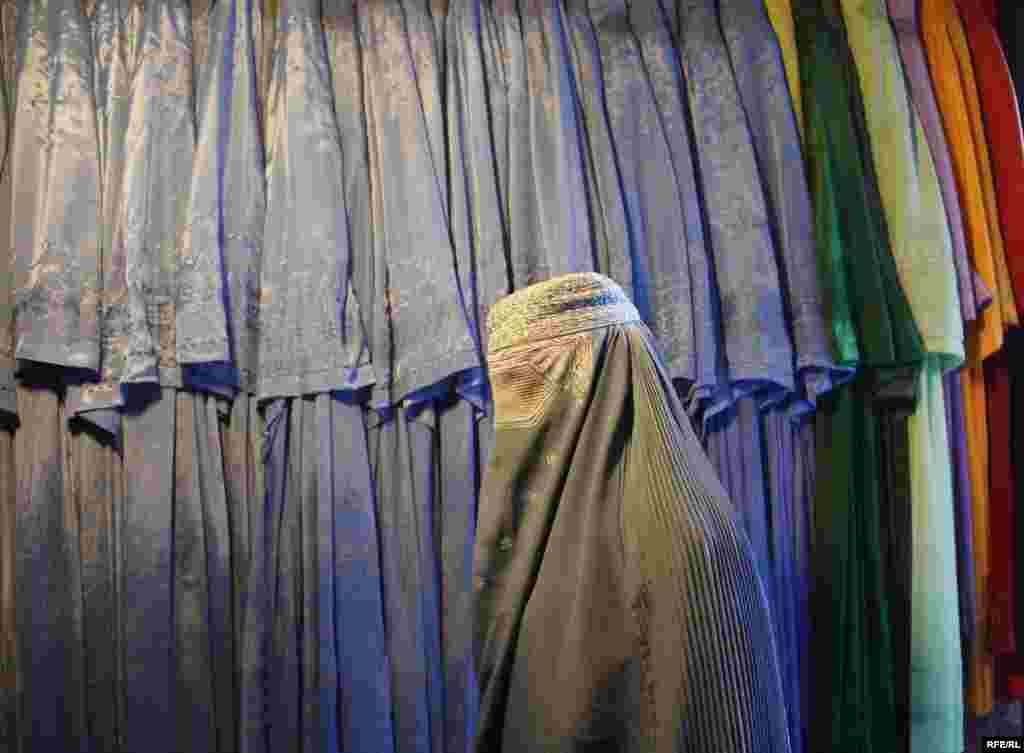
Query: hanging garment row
252	248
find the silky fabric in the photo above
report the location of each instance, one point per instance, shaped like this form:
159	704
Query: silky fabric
1002	118
740	446
222	238
904	15
653	26
1002	617
789	491
960	40
854	703
665	603
1003	134
1010	22
922	250
642	230
113	30
8	77
760	79
1006	143
314	666
941	29
757	350
908	184
312	336
55	243
8	615
151	550
9	701
781	14
420	319
426	459
985	336
477	209
1016	353
960	460
539	153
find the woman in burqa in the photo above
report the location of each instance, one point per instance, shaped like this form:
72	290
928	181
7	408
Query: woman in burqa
618	605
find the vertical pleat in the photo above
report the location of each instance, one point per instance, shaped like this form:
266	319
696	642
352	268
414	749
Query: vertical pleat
960	463
936	692
363	676
216	521
155	576
99	491
240	440
423	461
9	738
48	583
780	451
320	417
257	714
459	476
284	681
805	485
402	575
194	696
735	445
895	540
308	469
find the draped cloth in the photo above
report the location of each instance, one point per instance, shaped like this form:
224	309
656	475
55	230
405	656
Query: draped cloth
314	672
911	198
129	572
618	601
856	578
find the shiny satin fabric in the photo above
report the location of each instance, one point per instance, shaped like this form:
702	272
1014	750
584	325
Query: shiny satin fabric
789	469
984	154
621	56
314	664
908	185
426	458
144	102
1003	125
1002	121
960	460
126	580
661	59
422	326
312	336
222	237
945	45
757	352
922	250
114	26
759	448
852	654
54	162
904	15
760	76
9	697
781	14
618	601
543	164
479	221
8	77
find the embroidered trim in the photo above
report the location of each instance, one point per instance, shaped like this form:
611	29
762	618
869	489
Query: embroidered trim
561	306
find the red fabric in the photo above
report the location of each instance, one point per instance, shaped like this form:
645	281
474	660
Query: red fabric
1002	529
1003	128
1006	145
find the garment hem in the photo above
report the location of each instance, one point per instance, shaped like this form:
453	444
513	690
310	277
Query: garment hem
316	382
